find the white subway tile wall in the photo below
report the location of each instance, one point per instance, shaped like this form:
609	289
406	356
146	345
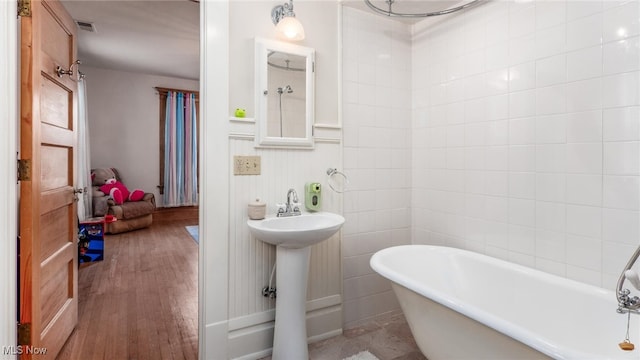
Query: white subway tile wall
377	100
512	129
530	153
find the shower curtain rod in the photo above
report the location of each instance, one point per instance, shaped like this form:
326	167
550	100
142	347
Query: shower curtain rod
281	67
287	68
390	12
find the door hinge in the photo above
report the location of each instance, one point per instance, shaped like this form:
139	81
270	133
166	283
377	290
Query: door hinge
24	169
24	8
24	334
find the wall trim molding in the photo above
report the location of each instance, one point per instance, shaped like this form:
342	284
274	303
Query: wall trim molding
327	126
251	137
246	120
213	267
9	71
244	129
242	136
328	140
251	336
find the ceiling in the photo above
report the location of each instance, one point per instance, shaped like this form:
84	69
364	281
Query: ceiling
152	37
161	37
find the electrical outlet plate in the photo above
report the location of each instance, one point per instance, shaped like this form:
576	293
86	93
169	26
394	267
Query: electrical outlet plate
246	165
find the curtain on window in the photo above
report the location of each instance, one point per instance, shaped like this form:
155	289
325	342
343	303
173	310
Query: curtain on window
83	175
180	150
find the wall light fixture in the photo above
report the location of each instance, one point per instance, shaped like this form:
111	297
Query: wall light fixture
287	26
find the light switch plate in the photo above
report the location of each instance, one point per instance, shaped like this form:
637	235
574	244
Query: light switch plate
246	165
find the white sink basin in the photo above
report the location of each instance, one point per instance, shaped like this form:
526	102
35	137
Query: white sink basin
293	236
295	232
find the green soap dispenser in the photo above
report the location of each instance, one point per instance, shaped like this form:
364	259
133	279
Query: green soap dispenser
313	196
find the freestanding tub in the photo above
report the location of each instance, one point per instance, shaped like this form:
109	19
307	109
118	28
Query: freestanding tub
464	305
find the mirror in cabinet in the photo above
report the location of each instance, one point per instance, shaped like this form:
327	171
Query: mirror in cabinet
284	94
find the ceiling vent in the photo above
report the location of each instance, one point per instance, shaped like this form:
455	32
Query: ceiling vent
86	26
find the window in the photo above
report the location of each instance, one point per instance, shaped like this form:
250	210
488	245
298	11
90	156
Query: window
178	155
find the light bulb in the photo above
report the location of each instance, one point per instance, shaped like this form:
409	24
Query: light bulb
290	28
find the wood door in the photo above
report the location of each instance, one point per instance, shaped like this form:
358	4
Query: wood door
48	293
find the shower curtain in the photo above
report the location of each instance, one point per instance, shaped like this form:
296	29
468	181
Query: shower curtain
180	156
83	174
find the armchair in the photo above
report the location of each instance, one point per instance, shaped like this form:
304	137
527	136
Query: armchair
131	215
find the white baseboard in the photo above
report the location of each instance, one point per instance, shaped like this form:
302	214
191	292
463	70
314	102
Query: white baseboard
214	346
251	336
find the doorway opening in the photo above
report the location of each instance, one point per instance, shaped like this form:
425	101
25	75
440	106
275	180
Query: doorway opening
143	296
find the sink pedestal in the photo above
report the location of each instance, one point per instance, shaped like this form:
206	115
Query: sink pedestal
293	237
290	334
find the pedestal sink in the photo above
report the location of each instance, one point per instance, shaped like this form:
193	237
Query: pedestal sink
293	237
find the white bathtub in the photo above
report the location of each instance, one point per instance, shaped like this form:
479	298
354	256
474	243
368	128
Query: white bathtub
464	305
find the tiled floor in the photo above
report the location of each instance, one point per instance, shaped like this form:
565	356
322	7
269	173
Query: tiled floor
388	338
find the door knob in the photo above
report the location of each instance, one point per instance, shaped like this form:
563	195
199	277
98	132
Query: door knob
77	191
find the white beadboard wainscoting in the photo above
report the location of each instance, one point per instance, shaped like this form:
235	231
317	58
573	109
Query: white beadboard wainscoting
251	316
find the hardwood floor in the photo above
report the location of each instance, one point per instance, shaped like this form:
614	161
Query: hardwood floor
141	301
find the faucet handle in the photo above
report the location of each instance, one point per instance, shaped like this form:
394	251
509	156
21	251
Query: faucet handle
295	207
281	208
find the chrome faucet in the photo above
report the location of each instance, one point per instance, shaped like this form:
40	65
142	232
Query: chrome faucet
625	301
292	207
